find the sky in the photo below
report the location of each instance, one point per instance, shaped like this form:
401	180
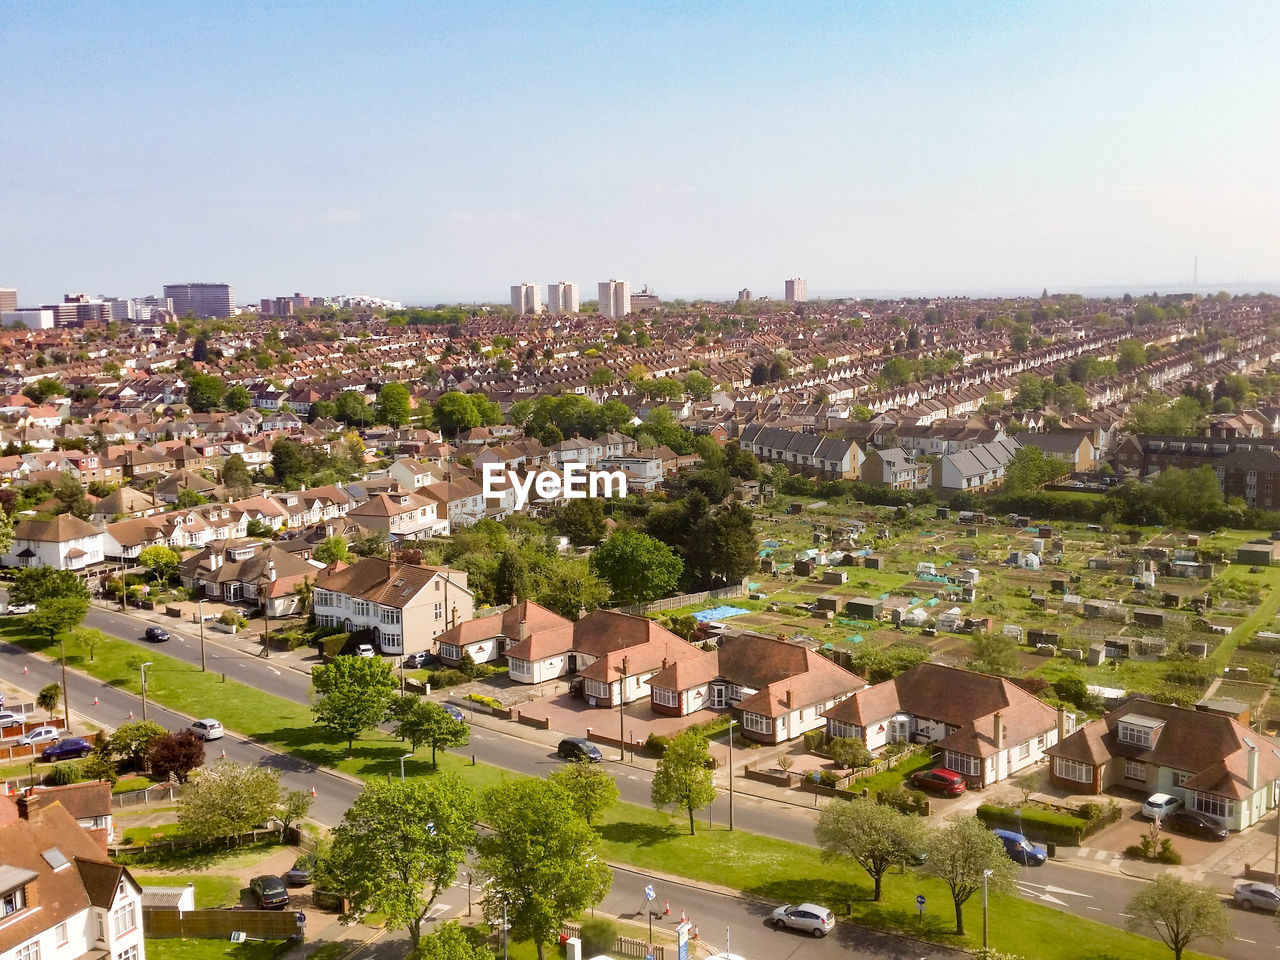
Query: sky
440	152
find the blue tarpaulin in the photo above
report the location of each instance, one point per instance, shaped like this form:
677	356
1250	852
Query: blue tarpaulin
719	613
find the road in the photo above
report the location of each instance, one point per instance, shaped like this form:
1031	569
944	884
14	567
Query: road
1093	894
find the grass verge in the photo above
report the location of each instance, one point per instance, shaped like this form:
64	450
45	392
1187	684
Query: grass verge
212	890
177	948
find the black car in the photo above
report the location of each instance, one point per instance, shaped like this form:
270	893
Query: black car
270	892
156	635
1195	825
576	748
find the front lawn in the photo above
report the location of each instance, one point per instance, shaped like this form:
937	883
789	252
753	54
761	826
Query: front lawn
892	779
212	890
178	948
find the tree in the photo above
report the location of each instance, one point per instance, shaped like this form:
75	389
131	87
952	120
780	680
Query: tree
684	777
591	790
450	943
227	799
188	498
995	653
289	462
331	550
426	722
542	859
161	561
175	754
49	697
873	835
235	476
1130	354
68	491
53	615
205	392
6	532
293	807
848	752
132	739
353	695
582	521
1178	912
394	407
960	853
238	398
636	566
511	579
568	587
351	407
399	847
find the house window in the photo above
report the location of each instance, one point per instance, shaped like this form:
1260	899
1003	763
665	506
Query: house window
1219	807
964	764
1133	770
125	919
1072	770
28	951
839	728
12	902
1180	777
756	723
450	651
1129	733
596	688
102	927
389	615
665	698
130	954
439	610
60	935
1024	750
360	608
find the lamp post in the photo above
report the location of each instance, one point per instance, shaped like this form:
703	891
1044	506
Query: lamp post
66	707
732	723
203	665
504	929
143	670
622	706
402	760
468	893
985	875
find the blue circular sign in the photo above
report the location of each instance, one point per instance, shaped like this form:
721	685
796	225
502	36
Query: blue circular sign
920	900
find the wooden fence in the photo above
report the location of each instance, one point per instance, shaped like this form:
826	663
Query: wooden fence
684	599
220	924
627	946
172	844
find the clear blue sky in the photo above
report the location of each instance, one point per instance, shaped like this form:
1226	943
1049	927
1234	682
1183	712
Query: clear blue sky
442	151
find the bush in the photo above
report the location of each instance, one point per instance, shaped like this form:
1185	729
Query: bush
828	778
814	739
599	935
63	774
232	619
848	752
1046	826
1072	689
1166	853
445	677
904	800
482	699
657	744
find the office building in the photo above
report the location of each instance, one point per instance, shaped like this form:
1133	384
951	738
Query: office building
615	298
205	300
744	294
33	318
152	308
121	308
797	291
646	299
78	310
526	298
8	299
562	297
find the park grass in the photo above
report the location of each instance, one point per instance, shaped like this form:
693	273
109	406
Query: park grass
212	890
178	948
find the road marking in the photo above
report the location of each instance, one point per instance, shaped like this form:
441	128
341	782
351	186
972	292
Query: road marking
1100	855
1243	940
1087	907
1049	888
274	670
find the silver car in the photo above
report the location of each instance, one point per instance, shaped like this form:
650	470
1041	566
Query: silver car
1263	896
806	917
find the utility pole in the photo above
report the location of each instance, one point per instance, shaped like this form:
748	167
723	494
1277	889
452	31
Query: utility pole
203	665
66	707
143	669
622	706
732	723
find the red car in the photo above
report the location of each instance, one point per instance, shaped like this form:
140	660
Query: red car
945	782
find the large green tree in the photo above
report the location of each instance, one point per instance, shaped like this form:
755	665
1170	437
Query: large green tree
873	835
394	407
205	392
426	723
636	566
228	799
399	847
1177	912
331	550
591	789
53	615
130	741
684	778
960	853
352	695
542	859
450	943
455	411
235	476
162	561
238	398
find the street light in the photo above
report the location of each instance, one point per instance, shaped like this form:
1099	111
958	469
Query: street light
143	669
732	723
66	707
200	603
985	875
504	928
622	707
402	760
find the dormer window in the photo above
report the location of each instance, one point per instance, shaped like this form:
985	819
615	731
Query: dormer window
1139	730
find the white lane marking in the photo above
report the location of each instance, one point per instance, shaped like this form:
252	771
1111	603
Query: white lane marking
1243	940
1087	907
1050	888
274	670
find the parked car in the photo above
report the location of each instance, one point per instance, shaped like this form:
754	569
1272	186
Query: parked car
270	892
39	735
71	748
1195	824
1262	896
8	718
415	661
1159	805
156	635
208	729
1021	850
946	782
20	608
576	748
806	917
453	711
364	650
300	874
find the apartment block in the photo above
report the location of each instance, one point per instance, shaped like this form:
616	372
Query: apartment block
526	298
615	298
797	291
205	300
562	297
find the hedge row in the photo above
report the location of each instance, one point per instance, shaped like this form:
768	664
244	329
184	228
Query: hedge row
1036	824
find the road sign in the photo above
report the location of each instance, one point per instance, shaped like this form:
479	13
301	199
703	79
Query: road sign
649	893
648	956
920	901
682	940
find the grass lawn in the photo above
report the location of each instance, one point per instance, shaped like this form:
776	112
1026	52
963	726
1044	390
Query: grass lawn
142	835
177	948
891	779
212	890
132	782
210	858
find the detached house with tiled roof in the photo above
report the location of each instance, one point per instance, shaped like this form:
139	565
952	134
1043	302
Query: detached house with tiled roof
1211	762
64	543
987	728
526	628
406	606
265	575
60	897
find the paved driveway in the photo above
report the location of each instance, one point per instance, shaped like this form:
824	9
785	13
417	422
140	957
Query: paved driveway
572	717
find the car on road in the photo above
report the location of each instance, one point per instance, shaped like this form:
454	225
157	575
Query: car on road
453	711
946	782
1159	806
1195	824
364	650
155	635
269	891
805	917
300	874
71	748
1256	896
1020	849
576	748
208	729
8	718
19	608
39	735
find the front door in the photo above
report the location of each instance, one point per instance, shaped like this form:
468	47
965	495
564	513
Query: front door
718	698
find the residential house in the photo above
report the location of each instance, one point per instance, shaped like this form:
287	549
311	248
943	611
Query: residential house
976	469
249	571
829	458
896	469
1075	449
525	625
64	543
401	516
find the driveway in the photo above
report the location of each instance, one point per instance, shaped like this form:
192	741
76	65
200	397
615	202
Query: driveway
1129	830
571	716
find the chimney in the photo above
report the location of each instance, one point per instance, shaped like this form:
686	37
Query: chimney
790	699
271	570
664	663
1252	777
29	802
215	560
999	731
1062	723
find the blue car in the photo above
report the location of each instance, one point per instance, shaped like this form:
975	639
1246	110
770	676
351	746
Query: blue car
1020	849
77	747
453	711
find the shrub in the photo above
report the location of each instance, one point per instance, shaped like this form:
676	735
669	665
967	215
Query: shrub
445	677
487	701
814	739
904	800
657	744
1166	853
63	774
232	619
1072	689
828	778
467	665
1046	826
848	752
599	935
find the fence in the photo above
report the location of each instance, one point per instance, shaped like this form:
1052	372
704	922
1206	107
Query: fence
172	844
683	600
220	924
15	752
627	946
156	793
